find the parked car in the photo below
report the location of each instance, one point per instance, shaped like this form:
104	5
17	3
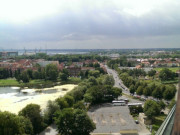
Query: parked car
136	121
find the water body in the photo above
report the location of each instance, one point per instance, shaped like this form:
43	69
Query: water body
55	51
13	99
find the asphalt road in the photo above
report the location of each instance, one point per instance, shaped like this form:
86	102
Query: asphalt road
118	81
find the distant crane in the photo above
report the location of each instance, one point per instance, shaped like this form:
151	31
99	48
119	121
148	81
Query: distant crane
24	51
35	50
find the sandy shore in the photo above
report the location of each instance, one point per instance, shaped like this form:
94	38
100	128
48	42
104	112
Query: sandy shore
14	104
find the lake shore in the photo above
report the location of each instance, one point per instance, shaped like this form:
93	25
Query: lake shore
15	103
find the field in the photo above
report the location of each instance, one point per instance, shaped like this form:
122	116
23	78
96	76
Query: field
37	83
8	82
174	69
71	80
157	122
32	83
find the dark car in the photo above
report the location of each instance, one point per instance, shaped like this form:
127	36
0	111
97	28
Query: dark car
136	121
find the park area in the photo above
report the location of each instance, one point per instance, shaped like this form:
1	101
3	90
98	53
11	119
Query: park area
173	69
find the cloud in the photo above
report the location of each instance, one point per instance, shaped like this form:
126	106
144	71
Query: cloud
81	23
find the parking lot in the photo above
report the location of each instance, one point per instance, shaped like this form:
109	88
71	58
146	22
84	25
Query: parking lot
112	119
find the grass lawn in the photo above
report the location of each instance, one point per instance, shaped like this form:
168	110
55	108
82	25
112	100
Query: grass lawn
32	83
171	81
157	122
8	82
37	83
174	69
72	80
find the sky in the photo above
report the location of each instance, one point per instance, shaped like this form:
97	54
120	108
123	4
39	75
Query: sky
89	24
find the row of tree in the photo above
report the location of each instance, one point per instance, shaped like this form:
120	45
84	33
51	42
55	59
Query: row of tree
157	90
96	91
6	73
133	72
122	61
65	58
51	72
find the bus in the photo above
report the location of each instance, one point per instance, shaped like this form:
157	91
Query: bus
119	103
135	104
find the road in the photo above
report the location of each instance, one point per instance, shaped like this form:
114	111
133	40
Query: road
51	130
118	81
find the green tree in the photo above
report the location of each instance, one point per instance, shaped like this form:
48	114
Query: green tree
162	104
51	108
139	91
79	105
30	73
147	91
92	80
36	75
166	74
172	103
152	86
78	92
132	89
116	92
74	122
88	98
81	74
51	72
33	113
152	72
151	109
94	73
69	99
64	75
62	103
108	80
94	94
11	124
101	70
96	65
17	75
157	92
169	92
24	77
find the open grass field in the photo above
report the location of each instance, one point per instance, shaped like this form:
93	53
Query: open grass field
37	83
13	82
173	69
72	80
8	82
